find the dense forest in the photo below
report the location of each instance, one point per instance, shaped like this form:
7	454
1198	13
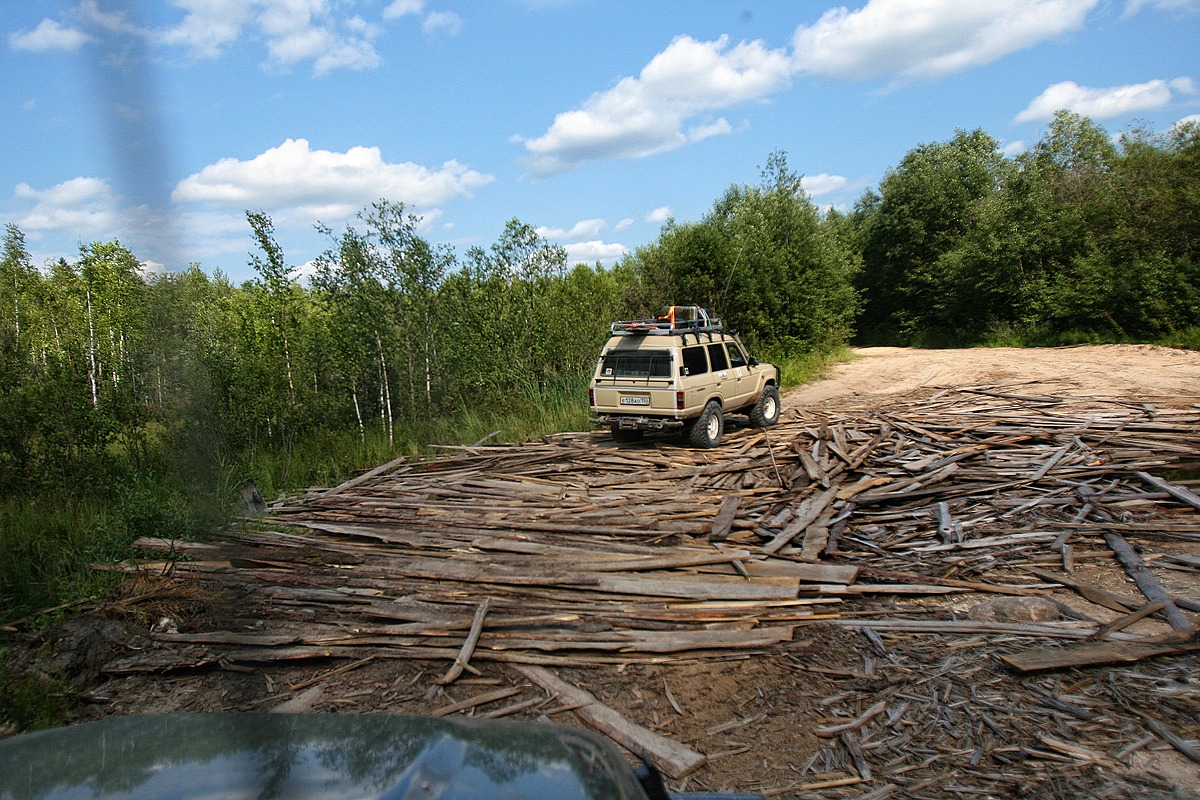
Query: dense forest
138	404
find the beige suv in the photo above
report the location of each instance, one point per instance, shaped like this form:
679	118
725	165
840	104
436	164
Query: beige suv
679	372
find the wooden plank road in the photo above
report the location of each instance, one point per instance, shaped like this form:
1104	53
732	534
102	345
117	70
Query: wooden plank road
582	548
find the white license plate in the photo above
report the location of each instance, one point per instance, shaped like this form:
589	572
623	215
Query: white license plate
635	401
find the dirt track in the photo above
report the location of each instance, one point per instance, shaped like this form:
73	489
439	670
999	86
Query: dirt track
1130	372
755	717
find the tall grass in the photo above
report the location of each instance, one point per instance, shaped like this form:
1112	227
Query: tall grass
796	369
1184	339
327	458
47	545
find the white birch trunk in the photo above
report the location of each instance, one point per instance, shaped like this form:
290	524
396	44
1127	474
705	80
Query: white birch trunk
92	351
387	391
362	431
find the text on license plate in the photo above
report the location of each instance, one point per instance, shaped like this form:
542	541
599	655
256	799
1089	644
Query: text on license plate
635	400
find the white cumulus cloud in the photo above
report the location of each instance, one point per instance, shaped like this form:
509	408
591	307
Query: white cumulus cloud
664	107
324	33
207	26
86	209
81	207
817	185
403	8
607	253
326	184
928	39
308	30
1105	102
679	96
446	22
659	215
583	229
47	36
1012	149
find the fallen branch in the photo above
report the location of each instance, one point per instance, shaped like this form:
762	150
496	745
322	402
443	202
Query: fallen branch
830	731
464	655
670	757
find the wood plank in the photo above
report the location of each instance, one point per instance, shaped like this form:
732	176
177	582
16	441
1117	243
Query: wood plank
1180	493
666	562
1092	654
811	508
476	700
670	757
1090	592
672	641
366	476
464	655
805	573
708	589
723	523
1147	583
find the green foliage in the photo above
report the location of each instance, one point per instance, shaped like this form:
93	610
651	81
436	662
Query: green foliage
963	246
764	262
46	546
799	368
1188	339
45	553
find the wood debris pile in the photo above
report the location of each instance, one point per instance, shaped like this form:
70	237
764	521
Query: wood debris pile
892	524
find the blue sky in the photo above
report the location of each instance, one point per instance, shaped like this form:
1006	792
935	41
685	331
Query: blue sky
160	123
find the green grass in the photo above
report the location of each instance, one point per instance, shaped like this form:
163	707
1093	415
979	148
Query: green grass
801	368
47	544
45	552
1186	339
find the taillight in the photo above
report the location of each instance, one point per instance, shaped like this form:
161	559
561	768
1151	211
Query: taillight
592	397
679	401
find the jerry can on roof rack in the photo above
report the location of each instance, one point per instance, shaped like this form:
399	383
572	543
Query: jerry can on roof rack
671	320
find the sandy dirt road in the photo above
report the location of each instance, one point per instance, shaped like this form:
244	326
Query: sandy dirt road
1136	373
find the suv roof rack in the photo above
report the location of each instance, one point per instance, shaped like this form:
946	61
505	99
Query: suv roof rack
671	321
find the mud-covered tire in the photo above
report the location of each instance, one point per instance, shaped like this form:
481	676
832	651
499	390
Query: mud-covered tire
768	408
708	428
626	435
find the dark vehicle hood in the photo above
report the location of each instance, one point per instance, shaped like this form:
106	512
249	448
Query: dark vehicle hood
261	756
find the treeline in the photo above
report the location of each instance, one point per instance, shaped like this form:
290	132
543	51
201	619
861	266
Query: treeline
1079	238
106	370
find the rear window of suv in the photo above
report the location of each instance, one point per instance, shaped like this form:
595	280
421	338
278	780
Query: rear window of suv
637	364
694	360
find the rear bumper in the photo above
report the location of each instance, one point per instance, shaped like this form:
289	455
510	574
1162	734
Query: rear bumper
634	422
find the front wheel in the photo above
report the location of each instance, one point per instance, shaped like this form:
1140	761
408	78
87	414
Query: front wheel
766	411
706	431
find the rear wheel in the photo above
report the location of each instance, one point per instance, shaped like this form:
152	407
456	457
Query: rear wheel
708	428
766	410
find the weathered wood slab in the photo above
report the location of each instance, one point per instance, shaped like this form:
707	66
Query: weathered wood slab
670	757
1089	655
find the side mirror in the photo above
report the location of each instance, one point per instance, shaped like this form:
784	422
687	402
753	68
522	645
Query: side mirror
753	361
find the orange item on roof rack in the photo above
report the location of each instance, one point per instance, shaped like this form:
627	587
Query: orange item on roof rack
671	320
